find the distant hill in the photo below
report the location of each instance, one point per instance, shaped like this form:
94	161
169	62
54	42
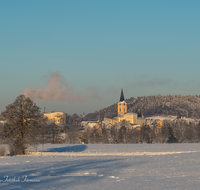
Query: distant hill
187	106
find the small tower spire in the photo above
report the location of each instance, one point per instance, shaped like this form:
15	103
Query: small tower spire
122	105
122	95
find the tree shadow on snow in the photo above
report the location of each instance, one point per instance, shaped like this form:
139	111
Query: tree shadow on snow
63	174
76	148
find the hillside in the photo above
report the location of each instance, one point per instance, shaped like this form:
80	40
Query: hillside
187	106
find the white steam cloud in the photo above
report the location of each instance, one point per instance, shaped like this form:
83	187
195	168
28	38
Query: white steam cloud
56	90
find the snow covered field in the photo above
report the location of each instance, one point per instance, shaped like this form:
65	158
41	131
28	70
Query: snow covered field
100	166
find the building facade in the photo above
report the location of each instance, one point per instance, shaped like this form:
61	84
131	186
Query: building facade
58	117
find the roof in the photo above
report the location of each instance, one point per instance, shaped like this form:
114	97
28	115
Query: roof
58	112
130	113
122	95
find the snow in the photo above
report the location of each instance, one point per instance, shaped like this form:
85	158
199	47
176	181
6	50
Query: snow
104	166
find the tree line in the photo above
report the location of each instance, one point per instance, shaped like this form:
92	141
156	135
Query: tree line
170	132
24	125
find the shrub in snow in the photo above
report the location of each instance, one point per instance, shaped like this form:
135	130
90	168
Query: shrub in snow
2	151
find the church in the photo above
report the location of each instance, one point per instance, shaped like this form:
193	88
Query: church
132	118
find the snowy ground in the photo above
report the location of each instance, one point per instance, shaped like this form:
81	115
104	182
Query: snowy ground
132	166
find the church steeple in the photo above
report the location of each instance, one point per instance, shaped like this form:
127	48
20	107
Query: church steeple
122	105
122	95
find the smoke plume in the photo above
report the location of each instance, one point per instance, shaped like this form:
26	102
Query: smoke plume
56	90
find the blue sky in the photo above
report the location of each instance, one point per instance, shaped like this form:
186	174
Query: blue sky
94	47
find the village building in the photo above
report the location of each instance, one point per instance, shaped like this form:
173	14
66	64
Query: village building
58	117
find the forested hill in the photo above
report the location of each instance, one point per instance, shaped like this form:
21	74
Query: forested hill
187	106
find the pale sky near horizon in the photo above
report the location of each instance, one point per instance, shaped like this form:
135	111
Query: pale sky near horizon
75	55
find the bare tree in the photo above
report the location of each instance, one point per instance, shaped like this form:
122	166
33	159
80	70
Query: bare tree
164	133
86	134
146	134
105	135
113	134
121	138
178	128
23	122
73	133
54	131
198	131
189	133
95	136
134	135
1	131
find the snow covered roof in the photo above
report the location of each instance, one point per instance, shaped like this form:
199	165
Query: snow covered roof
106	122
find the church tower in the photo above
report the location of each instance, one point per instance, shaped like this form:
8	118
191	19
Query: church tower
122	105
